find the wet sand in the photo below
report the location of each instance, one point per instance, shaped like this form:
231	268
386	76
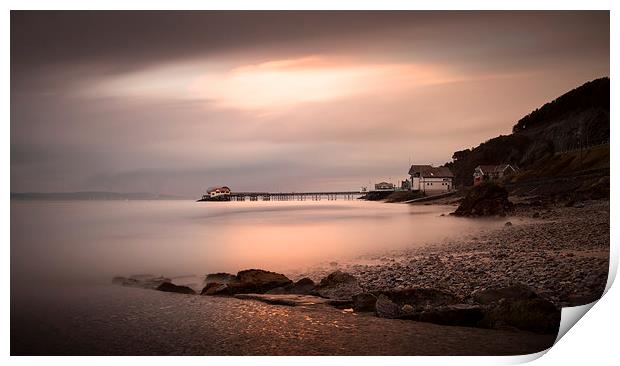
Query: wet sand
116	320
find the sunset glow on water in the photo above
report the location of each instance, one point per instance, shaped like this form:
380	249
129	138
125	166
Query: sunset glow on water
77	241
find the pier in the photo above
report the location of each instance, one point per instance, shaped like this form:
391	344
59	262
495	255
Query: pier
290	196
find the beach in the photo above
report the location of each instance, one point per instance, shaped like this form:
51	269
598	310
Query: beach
561	252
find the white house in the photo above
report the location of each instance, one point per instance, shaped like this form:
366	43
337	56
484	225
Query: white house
431	180
384	186
218	191
484	173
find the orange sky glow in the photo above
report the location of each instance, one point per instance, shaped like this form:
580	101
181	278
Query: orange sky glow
172	103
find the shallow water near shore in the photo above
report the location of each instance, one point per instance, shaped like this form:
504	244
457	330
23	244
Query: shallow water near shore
63	255
91	241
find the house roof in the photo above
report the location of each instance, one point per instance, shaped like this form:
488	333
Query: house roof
428	171
487	169
211	189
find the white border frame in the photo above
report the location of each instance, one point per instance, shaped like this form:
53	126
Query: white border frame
592	340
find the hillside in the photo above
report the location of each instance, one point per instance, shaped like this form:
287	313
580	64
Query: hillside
575	121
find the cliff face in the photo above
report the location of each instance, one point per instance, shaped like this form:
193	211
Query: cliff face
576	120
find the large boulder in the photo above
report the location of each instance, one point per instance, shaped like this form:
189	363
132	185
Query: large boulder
217	284
171	287
486	199
518	306
494	295
339	285
257	281
219	278
337	278
365	302
420	298
410	302
304	286
465	315
386	308
214	288
535	315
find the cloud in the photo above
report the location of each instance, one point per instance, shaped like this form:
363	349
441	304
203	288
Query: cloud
172	102
273	85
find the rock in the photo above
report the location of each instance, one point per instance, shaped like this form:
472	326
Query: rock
257	281
337	278
407	309
464	315
217	284
364	302
219	278
419	297
216	289
340	304
333	264
171	287
486	199
146	281
278	291
518	306
339	285
386	308
409	303
579	205
536	215
531	314
288	300
304	286
494	295
508	223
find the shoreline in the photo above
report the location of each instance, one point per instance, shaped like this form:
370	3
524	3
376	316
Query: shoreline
561	252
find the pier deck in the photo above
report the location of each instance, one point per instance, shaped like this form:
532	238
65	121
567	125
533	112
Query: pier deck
292	196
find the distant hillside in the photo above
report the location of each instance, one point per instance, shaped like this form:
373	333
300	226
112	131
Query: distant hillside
575	120
91	196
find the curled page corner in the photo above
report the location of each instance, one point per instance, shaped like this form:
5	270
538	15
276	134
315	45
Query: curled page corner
570	317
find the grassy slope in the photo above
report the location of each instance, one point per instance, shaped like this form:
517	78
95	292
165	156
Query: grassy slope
574	162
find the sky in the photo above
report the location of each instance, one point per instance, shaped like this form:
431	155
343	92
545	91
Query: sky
175	102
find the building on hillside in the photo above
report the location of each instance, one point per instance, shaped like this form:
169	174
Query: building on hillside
430	179
485	173
384	186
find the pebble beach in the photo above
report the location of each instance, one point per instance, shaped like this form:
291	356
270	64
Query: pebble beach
561	252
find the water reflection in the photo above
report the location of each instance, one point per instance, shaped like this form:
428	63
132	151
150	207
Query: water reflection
92	241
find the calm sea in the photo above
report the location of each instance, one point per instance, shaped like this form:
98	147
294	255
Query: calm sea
91	241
